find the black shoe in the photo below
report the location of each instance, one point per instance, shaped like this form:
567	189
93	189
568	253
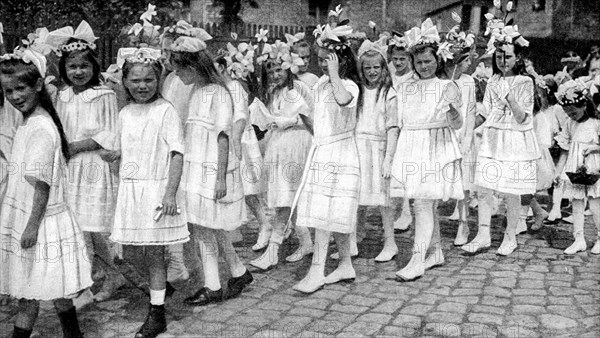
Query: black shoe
205	296
170	290
70	324
235	285
21	333
155	323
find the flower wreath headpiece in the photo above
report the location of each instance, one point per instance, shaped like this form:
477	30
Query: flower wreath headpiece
572	92
84	34
28	55
280	53
187	37
457	44
144	55
426	34
502	32
335	34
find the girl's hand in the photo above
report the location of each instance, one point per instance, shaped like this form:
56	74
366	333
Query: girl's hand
333	65
109	155
29	237
169	205
387	168
220	189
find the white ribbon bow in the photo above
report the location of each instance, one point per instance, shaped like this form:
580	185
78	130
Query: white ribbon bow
59	37
28	56
188	44
378	46
428	33
137	55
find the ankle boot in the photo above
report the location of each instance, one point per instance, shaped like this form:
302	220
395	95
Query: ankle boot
70	324
21	333
155	323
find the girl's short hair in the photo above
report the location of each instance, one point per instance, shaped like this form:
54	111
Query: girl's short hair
519	68
90	55
156	68
30	75
427	48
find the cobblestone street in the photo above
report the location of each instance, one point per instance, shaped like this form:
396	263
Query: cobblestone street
535	292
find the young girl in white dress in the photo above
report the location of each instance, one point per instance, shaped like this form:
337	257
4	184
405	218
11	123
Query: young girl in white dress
89	113
508	118
149	212
34	215
581	136
377	125
329	192
400	59
285	155
426	166
213	195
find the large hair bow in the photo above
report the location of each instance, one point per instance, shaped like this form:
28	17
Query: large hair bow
427	33
28	55
137	55
188	44
379	46
58	38
572	91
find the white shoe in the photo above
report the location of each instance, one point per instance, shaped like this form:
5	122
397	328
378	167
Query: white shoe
268	259
263	238
587	212
568	219
387	254
554	215
85	298
462	234
299	253
435	259
577	246
403	222
413	270
506	248
455	215
596	248
521	226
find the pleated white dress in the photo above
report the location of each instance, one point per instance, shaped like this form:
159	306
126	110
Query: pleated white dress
506	160
427	161
92	182
149	134
208	117
57	266
330	188
379	114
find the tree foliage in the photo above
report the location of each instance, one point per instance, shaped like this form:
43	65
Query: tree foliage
231	9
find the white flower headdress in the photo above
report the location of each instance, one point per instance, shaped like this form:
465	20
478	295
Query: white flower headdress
28	55
426	34
333	37
280	53
183	29
146	31
572	92
144	55
502	32
240	60
379	46
37	41
84	34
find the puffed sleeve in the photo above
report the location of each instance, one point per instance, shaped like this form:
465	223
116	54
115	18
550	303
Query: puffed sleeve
171	131
222	109
38	160
354	91
106	137
391	109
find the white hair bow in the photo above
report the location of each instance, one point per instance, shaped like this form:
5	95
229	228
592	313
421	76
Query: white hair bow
137	55
28	56
58	38
428	33
188	44
378	46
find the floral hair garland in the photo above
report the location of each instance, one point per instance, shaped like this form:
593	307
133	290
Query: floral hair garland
146	32
572	92
28	55
240	59
280	53
335	34
84	34
457	43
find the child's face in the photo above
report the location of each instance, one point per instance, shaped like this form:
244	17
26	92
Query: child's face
506	58
372	70
401	60
20	95
575	113
79	69
142	83
277	75
465	64
426	64
304	54
186	73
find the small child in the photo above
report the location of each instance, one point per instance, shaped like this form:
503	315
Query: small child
213	196
148	207
34	214
581	136
302	48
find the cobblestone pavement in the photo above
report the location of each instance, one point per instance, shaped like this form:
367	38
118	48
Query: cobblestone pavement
535	292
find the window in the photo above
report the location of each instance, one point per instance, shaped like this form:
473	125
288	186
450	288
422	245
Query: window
538	5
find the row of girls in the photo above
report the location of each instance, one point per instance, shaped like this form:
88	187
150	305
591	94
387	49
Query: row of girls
358	117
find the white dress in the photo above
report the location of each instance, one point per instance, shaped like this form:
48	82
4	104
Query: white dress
576	137
506	160
178	93
57	266
329	192
288	144
546	128
149	134
92	182
379	114
465	133
427	160
308	78
208	117
251	164
10	120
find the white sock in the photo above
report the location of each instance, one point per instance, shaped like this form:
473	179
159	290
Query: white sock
157	297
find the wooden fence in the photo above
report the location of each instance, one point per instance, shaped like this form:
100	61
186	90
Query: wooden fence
108	44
